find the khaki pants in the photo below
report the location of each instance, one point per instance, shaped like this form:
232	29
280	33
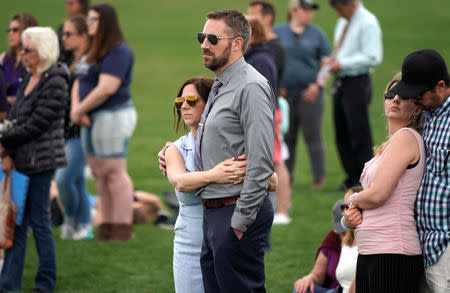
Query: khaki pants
438	274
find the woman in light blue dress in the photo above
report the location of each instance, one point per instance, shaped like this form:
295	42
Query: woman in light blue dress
179	162
189	106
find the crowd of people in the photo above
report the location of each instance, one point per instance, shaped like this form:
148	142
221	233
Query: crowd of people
65	102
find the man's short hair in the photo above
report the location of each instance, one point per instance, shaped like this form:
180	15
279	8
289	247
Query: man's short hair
343	2
266	8
237	23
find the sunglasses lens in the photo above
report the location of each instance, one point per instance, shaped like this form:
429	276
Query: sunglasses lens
213	39
389	95
179	102
191	100
201	37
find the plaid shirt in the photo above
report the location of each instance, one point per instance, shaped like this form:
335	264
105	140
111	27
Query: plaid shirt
433	198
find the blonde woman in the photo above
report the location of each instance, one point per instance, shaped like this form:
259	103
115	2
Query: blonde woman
390	256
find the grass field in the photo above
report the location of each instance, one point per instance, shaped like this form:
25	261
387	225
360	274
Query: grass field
162	35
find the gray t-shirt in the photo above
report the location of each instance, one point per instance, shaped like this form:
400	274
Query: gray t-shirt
241	121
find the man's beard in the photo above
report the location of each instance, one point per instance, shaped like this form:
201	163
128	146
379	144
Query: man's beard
220	61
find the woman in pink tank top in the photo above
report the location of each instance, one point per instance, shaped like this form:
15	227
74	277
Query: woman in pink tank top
389	257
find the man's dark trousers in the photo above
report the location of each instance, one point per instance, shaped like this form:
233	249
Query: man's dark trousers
229	264
351	121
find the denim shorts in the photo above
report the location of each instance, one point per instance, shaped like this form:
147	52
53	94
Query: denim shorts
110	132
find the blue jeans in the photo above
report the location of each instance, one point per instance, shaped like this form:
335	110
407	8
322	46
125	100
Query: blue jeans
36	216
71	183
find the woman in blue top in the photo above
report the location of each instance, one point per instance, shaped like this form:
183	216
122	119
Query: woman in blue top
101	104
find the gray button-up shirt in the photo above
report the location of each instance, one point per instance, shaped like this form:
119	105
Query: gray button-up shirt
241	121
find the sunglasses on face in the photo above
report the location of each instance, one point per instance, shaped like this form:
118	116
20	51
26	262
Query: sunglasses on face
212	38
91	19
12	30
190	100
390	95
68	34
26	50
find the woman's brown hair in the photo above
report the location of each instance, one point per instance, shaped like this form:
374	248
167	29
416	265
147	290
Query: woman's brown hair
25	21
203	86
84	6
258	33
108	35
79	22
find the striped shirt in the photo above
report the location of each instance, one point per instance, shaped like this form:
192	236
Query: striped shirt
433	199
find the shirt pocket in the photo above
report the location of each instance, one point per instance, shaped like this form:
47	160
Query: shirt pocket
440	161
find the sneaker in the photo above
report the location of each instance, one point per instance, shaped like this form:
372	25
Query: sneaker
67	231
168	224
163	216
84	232
281	219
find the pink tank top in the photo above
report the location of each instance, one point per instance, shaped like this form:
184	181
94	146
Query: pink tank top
391	228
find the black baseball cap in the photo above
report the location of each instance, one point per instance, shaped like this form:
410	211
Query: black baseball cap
304	4
421	70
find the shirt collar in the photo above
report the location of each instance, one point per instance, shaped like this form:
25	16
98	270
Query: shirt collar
189	142
442	109
231	70
358	12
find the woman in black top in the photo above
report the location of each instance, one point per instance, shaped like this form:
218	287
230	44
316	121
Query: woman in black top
34	145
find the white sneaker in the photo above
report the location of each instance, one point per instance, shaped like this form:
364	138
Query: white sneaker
281	219
67	231
84	232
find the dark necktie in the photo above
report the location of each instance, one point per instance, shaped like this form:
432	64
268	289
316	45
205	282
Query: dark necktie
198	164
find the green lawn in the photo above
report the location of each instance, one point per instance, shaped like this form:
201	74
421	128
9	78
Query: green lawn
162	35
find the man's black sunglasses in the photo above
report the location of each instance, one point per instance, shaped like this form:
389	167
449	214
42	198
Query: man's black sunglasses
212	38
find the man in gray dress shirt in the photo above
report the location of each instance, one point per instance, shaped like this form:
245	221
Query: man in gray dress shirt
237	217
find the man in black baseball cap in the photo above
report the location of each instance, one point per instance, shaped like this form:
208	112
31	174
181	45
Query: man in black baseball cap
424	72
425	79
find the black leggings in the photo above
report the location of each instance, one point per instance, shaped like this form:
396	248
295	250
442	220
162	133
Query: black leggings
384	273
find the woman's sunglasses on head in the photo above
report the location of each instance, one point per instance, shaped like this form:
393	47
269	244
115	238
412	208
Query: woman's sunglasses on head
212	38
190	100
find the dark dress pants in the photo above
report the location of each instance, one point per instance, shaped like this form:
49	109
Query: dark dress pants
229	264
351	121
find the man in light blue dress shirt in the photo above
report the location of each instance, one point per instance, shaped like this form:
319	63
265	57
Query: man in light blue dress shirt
358	48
